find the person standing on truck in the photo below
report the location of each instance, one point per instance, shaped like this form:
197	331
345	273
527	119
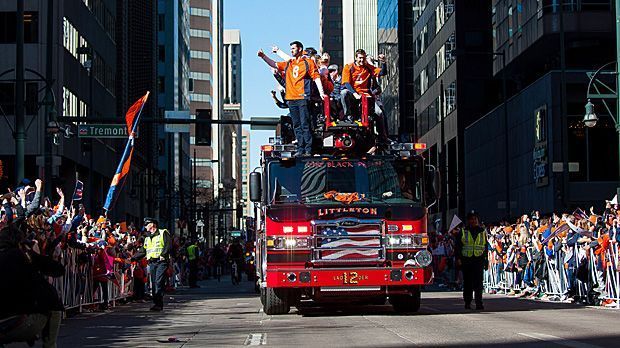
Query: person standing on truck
472	255
156	249
299	72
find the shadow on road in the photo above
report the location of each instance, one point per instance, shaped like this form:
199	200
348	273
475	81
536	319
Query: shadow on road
540	341
444	303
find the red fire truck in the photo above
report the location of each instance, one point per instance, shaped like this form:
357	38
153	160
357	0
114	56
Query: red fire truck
342	225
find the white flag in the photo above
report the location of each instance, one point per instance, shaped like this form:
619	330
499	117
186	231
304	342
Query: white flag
455	222
614	200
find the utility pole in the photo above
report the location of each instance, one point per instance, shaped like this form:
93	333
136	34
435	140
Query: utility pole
617	4
49	101
20	124
506	137
194	193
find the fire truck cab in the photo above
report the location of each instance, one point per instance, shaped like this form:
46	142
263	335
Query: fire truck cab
342	225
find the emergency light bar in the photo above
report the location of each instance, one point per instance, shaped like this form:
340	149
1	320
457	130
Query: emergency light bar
278	150
406	149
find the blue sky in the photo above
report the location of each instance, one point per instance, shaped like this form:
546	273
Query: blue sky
263	24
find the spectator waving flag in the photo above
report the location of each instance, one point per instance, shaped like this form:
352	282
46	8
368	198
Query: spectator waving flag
79	190
132	117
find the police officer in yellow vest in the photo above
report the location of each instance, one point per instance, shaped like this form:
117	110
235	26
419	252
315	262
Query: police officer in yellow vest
192	256
471	252
156	249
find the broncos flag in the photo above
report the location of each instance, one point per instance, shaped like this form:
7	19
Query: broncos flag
132	117
79	190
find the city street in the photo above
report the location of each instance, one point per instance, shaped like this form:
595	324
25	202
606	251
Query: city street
223	315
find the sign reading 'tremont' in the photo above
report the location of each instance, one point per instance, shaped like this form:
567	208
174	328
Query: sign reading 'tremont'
102	131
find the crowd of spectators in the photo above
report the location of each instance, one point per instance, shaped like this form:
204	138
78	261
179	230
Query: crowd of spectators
56	257
570	257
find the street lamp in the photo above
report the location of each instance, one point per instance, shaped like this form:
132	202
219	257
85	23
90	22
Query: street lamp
590	118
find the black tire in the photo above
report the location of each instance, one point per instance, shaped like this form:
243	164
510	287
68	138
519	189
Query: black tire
406	303
276	301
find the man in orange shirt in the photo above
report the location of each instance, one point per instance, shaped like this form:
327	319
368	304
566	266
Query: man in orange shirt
359	78
299	72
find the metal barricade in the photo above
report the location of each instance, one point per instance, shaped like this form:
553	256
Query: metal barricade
76	287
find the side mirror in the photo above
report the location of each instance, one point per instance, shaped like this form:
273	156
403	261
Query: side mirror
433	185
437	184
256	191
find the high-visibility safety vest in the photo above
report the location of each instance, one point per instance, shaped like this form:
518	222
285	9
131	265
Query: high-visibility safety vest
473	247
154	245
192	252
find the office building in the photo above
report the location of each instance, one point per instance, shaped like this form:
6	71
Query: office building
359	28
550	161
230	135
245	173
395	35
201	91
91	59
450	90
330	29
173	24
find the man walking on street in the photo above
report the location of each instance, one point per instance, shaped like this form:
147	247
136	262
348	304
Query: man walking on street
299	73
472	256
192	256
157	251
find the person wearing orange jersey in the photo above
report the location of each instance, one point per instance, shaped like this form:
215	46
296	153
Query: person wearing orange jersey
299	72
359	78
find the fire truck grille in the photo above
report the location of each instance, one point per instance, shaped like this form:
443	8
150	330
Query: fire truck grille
353	241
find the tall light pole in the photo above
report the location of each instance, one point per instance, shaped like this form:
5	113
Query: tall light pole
20	124
590	119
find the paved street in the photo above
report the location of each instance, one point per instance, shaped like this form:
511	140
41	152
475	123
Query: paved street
223	315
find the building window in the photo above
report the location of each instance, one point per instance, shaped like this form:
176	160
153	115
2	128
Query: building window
200	33
198	97
161	53
449	98
200	54
202	12
161	22
8	24
72	106
510	21
161	84
200	76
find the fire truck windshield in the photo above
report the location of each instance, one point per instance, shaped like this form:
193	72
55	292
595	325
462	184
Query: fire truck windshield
317	181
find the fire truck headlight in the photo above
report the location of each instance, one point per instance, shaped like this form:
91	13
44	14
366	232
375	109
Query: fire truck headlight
290	243
405	240
423	258
393	241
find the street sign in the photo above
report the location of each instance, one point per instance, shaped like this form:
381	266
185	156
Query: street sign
102	131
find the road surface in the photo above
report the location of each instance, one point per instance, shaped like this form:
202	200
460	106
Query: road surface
219	314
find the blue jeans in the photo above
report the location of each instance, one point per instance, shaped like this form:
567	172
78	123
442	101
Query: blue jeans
301	124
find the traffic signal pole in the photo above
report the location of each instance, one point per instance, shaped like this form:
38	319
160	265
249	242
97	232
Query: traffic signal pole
20	124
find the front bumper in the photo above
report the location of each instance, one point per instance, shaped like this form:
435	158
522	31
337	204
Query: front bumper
348	277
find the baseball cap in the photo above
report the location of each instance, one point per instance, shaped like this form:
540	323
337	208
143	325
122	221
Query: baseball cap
333	67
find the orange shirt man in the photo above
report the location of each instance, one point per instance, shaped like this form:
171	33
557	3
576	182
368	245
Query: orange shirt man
300	72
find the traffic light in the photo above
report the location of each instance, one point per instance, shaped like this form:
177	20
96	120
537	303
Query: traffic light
203	129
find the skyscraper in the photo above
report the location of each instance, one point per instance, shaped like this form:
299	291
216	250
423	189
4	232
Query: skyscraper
330	13
230	136
173	95
201	89
359	28
395	35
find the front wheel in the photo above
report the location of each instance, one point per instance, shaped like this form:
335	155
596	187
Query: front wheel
409	303
276	301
